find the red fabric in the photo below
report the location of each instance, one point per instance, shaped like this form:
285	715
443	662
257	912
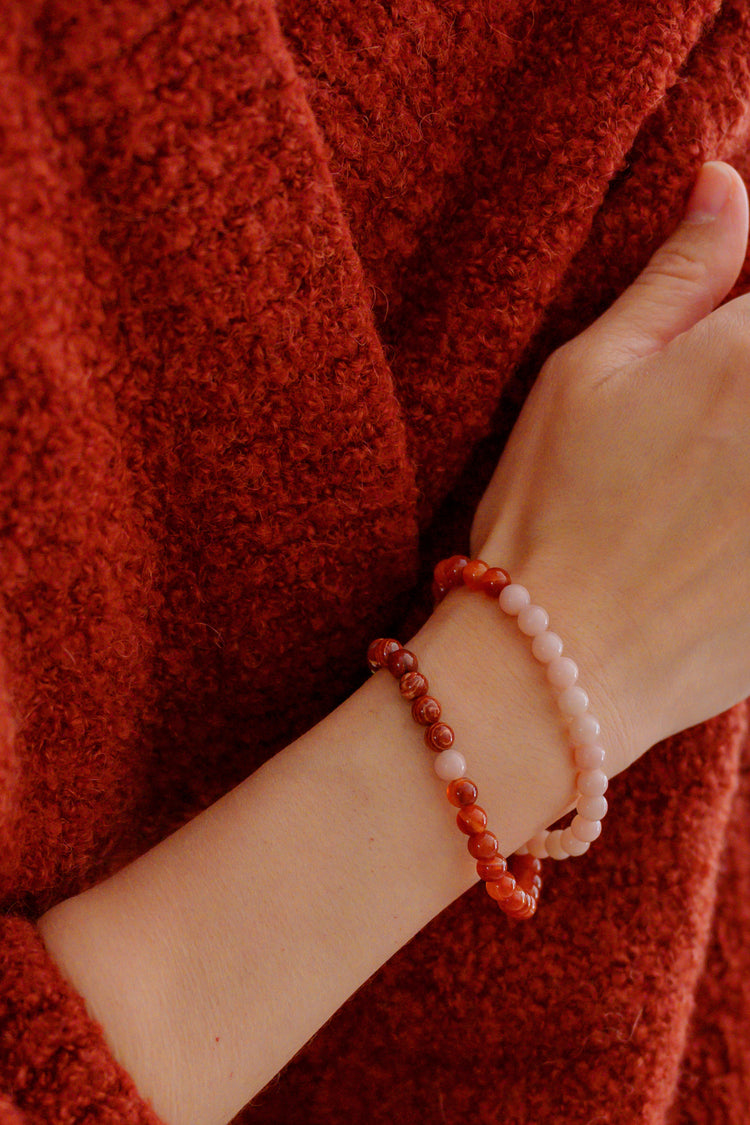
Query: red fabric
274	283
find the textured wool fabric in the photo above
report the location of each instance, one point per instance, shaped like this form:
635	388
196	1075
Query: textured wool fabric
275	281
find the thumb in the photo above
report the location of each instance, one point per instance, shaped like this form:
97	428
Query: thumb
687	277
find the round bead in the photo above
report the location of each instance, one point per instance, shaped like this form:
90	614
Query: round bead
379	651
473	572
425	710
491	869
592	783
461	792
514	598
573	701
585	830
439	736
592	808
537	845
493	581
555	850
533	620
412	685
472	820
483	846
546	646
584	729
516	901
442	573
501	889
590	756
449	765
572	845
562	672
401	662
455	565
438	592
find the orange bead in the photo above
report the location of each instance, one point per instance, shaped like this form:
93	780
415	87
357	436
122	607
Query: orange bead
500	889
453	571
400	662
516	901
412	685
425	710
492	869
493	581
483	846
473	572
471	820
439	737
379	651
461	792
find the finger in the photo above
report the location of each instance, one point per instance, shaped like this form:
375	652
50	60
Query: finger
686	278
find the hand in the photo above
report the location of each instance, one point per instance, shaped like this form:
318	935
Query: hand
622	498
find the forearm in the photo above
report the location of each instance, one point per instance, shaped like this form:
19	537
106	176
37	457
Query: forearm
214	957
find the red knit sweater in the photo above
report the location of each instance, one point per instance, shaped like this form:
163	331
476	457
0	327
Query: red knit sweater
274	283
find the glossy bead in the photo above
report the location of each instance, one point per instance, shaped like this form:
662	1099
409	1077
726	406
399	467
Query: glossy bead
572	845
379	651
586	830
593	808
472	820
453	571
555	850
514	598
493	581
483	846
438	592
461	792
491	869
592	783
439	736
546	646
573	701
562	672
473	572
442	572
412	685
425	710
584	729
500	889
449	765
401	662
537	845
533	620
516	901
590	756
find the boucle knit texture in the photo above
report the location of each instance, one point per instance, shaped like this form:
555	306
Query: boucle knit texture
274	284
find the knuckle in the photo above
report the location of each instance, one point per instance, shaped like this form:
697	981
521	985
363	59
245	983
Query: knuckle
676	262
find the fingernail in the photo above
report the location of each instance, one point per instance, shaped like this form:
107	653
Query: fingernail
710	193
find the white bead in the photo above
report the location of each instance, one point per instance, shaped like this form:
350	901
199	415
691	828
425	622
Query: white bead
514	598
584	729
562	672
586	830
450	764
592	808
533	620
546	646
537	845
571	844
592	783
523	850
573	701
555	850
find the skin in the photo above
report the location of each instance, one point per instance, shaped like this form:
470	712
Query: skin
238	946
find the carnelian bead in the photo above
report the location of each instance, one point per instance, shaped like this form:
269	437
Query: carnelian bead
501	888
473	572
439	737
483	846
461	792
515	901
536	884
438	592
493	581
492	869
412	685
442	572
401	662
471	820
379	651
425	710
456	564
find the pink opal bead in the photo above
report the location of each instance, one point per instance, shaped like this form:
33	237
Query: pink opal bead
586	830
573	701
584	729
592	808
546	646
449	764
537	845
572	845
592	783
533	620
514	598
562	672
555	850
589	756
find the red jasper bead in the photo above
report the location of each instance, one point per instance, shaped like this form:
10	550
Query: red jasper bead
412	685
439	737
473	573
471	820
379	651
483	846
492	869
493	581
500	889
401	662
425	710
461	792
